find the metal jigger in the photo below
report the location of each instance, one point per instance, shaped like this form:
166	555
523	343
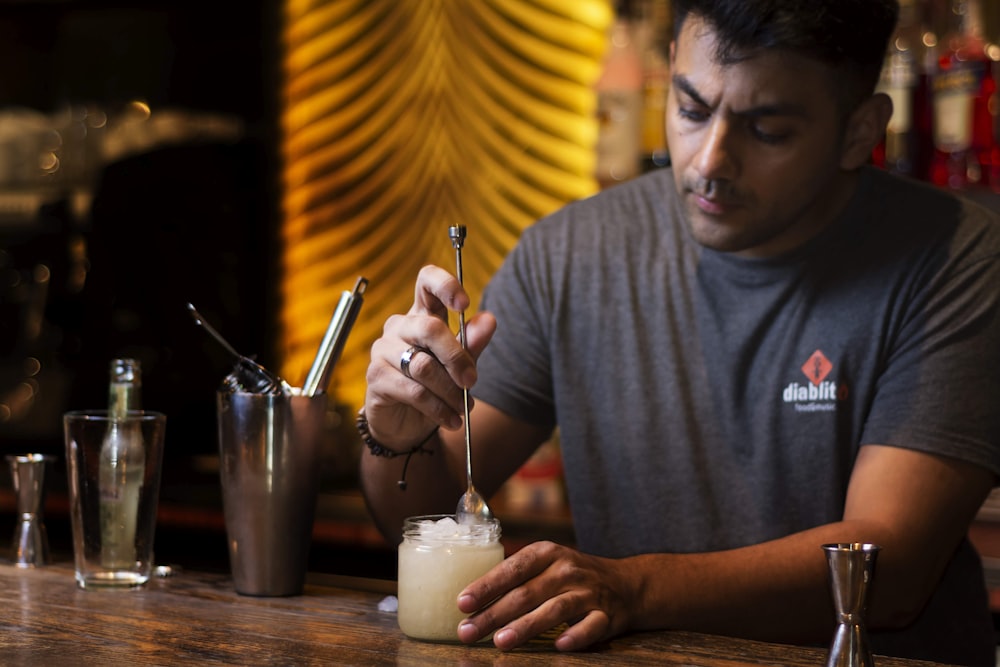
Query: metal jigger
852	566
31	544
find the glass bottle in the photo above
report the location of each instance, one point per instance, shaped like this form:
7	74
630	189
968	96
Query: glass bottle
965	150
899	80
122	464
619	104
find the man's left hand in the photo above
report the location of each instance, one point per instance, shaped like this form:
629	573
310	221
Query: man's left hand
545	585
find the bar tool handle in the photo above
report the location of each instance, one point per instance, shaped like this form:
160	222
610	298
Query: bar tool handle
332	345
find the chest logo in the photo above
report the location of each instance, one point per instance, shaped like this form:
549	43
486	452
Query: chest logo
818	394
817	367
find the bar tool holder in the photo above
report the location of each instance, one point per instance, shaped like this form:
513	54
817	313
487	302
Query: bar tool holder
31	543
852	566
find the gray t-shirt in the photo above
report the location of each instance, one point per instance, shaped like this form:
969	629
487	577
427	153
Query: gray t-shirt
707	401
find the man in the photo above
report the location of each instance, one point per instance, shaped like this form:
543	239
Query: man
778	348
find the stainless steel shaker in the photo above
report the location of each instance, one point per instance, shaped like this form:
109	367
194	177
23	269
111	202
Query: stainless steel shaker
270	447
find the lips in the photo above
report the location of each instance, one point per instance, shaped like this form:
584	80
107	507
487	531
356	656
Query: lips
713	197
714	205
711	206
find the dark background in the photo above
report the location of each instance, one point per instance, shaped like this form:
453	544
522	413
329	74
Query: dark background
212	54
190	221
183	222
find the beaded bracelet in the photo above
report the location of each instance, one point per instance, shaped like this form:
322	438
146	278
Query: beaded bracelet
378	449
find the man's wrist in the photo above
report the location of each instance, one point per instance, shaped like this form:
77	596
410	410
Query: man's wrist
377	448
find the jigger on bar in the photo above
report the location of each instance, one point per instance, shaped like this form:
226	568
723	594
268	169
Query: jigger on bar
852	566
31	544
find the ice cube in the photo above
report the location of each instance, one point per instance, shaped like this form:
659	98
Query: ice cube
445	528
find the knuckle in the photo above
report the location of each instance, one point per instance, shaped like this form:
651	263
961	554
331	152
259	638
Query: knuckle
418	393
421	362
375	373
426	327
567	570
546	549
521	598
562	608
393	322
377	346
516	567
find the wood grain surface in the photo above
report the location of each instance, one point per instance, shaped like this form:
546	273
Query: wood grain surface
195	618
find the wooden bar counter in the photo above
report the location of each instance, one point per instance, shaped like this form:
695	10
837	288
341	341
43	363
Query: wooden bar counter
197	618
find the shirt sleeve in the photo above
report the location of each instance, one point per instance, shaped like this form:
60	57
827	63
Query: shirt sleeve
515	370
940	388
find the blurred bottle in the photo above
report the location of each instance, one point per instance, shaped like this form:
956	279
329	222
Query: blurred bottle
965	149
619	104
923	97
121	467
653	35
900	81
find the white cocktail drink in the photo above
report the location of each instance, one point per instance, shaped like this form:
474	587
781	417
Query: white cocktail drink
437	559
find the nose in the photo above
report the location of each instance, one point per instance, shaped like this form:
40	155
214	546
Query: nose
716	158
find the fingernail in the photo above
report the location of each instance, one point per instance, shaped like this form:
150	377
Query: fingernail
467	632
466	602
504	637
454	422
469	378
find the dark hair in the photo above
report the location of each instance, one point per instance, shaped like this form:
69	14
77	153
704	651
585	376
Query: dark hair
851	36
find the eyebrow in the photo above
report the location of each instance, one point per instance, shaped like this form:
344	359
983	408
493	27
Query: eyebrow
785	109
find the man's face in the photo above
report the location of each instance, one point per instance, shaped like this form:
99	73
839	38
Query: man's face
755	146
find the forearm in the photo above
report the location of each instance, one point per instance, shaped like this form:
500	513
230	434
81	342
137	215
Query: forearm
431	486
916	506
775	591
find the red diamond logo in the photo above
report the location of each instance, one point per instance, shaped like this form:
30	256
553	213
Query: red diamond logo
817	367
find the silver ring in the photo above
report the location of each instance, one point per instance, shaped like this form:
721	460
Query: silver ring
407	357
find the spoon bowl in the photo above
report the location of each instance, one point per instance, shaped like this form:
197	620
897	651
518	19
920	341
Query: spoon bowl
472	508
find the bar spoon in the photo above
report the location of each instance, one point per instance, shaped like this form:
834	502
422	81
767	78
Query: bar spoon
472	507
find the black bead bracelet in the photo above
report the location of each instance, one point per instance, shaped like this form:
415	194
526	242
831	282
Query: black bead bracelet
378	449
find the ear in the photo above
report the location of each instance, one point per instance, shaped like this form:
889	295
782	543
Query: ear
865	129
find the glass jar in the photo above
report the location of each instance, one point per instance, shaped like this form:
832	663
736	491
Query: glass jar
438	558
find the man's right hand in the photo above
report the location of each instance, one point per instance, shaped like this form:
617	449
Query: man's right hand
402	410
